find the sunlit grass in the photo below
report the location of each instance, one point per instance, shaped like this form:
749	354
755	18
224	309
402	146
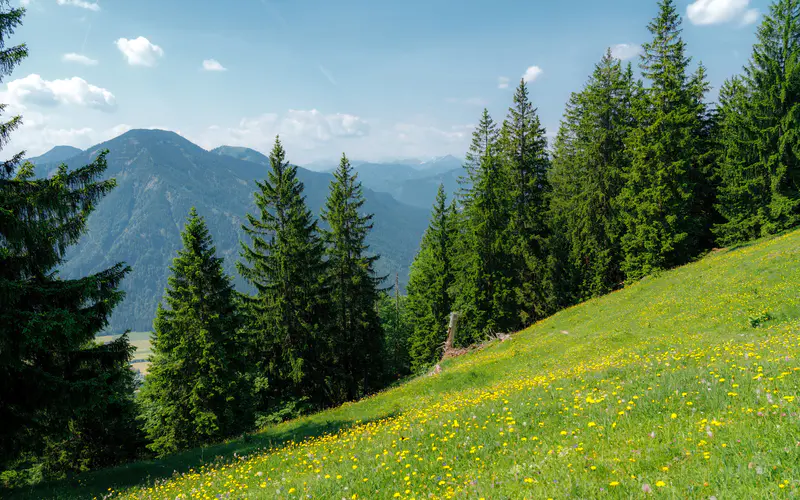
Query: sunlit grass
669	388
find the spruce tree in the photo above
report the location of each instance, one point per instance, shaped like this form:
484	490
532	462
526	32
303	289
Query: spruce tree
196	391
54	375
285	264
354	286
744	191
485	275
523	144
663	186
760	192
430	280
589	166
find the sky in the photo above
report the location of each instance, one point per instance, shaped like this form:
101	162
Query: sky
378	80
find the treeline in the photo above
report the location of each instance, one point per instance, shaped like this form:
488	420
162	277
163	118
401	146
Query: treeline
644	175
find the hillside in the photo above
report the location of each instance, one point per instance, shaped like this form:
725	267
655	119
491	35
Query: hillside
160	175
685	384
55	155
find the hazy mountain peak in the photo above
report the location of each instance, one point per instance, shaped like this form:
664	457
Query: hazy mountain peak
56	154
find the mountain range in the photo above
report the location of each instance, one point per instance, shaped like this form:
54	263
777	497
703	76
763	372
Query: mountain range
160	175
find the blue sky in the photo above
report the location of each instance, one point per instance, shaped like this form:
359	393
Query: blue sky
375	79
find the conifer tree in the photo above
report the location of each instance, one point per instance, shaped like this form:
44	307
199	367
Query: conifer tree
523	144
196	391
744	191
663	187
760	171
354	286
430	280
289	313
485	274
588	172
54	375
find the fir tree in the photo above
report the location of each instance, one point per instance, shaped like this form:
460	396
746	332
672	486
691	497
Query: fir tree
588	172
196	391
55	376
663	191
484	136
354	286
284	262
523	145
431	277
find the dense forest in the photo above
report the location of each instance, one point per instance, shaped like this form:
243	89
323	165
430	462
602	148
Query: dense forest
645	174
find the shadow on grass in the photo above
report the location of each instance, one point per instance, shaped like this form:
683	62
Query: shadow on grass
145	472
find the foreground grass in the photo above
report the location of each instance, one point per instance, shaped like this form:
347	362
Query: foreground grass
682	385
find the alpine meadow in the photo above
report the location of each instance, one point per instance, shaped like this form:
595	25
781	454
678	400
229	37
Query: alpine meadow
606	310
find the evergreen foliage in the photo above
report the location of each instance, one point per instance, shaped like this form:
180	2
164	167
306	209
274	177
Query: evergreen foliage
523	145
589	167
663	190
429	286
357	336
760	167
290	311
197	390
485	275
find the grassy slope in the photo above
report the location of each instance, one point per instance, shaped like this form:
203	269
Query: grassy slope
664	386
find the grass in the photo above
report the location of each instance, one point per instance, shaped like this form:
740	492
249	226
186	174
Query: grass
139	340
684	385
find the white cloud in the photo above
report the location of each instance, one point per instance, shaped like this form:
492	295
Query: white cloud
79	58
750	17
625	51
80	3
705	12
24	3
34	89
502	82
139	51
213	65
532	73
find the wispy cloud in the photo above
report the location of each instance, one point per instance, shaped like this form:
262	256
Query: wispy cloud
327	74
80	3
625	51
502	82
213	65
79	58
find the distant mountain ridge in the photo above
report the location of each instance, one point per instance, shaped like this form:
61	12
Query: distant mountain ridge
160	175
56	154
411	181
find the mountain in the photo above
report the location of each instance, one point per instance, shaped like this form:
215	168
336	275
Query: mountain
242	153
160	175
56	155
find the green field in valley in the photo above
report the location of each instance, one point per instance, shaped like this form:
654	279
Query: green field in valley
139	340
684	385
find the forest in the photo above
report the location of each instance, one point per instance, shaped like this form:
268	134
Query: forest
645	174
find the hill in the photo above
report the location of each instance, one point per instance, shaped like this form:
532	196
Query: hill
56	155
685	385
160	175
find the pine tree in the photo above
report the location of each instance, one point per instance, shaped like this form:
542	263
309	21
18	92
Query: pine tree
663	191
523	144
289	313
354	286
54	375
196	391
588	172
430	280
760	191
485	275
